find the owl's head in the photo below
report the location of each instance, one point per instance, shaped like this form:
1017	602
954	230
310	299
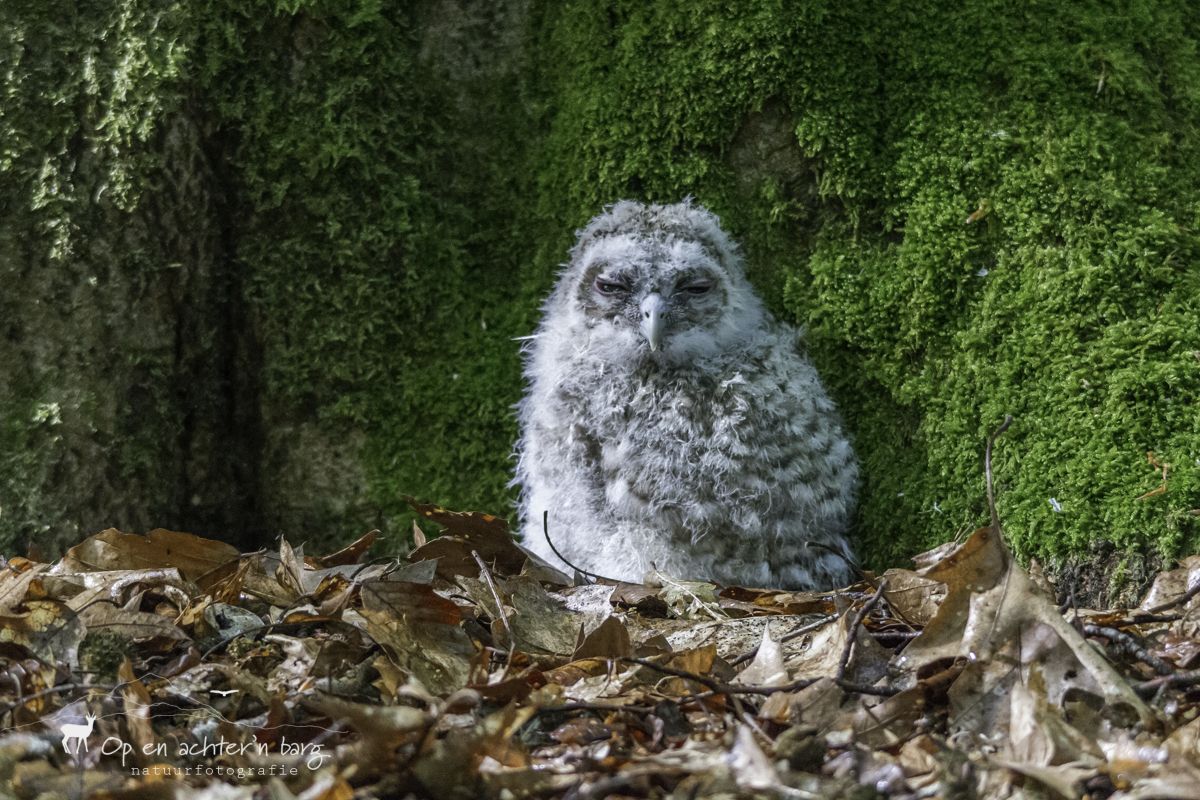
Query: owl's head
658	282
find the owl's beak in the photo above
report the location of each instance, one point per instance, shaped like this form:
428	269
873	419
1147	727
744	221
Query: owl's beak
653	308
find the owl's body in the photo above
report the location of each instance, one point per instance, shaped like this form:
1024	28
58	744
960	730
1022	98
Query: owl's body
670	422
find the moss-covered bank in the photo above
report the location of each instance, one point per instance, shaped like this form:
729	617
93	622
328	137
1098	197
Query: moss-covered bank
388	192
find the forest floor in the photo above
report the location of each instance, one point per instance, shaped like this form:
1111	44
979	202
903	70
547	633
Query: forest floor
168	665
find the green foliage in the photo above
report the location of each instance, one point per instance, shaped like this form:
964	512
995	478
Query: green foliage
83	94
1072	303
81	82
379	268
404	181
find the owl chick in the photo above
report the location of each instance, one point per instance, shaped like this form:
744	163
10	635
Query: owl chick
671	422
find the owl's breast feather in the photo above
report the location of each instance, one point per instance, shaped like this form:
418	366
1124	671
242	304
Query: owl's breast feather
684	451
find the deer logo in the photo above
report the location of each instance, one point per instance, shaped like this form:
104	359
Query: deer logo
80	733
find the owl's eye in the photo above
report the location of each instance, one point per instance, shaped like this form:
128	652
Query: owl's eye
697	288
610	287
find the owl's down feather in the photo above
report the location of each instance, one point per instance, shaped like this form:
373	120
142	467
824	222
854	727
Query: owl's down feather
671	422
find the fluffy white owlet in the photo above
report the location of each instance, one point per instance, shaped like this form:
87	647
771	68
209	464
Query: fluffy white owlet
671	422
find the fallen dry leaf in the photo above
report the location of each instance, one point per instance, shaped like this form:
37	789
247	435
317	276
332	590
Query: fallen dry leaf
336	677
202	561
48	631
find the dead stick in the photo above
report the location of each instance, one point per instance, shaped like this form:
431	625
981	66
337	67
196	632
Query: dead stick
1147	688
605	708
486	574
717	687
714	685
1182	600
809	628
852	635
1129	644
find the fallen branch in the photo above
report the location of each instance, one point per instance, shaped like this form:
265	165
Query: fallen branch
1179	679
1129	644
486	574
719	687
1182	600
852	634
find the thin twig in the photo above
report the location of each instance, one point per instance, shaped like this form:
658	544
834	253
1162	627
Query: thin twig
764	691
1182	600
797	685
716	687
709	683
719	687
748	720
486	574
987	470
809	628
1129	644
367	564
1147	688
852	634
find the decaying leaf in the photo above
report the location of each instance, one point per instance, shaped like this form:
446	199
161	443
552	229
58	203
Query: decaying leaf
990	603
135	626
350	554
468	533
1173	586
540	623
448	677
15	579
137	703
610	639
48	630
689	598
915	598
201	561
421	631
767	668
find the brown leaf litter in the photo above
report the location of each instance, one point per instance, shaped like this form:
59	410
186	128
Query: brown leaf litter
471	669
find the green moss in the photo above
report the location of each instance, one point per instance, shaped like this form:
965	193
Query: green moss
1071	305
400	185
83	96
379	240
